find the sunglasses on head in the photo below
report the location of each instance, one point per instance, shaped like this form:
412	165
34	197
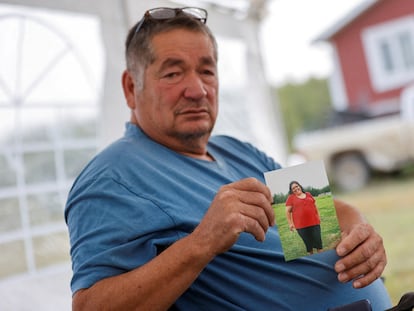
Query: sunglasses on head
170	13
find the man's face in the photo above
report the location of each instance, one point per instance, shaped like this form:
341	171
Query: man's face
177	105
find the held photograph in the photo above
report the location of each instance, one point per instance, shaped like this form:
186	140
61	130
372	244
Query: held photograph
304	209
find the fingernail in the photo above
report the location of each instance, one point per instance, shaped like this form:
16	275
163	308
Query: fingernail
341	251
357	284
340	267
342	277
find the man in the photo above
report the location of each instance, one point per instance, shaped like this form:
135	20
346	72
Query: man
169	217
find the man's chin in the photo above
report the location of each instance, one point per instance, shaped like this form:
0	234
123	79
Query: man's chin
194	132
197	128
194	135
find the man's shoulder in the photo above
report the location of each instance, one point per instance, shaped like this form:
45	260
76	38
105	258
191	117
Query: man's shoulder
234	145
242	151
230	141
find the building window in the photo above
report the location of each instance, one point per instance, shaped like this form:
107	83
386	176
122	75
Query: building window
389	50
386	57
51	67
406	44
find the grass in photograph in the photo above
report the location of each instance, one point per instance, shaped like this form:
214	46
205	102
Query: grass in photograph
293	246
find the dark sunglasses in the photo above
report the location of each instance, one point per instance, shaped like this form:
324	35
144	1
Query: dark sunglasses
169	13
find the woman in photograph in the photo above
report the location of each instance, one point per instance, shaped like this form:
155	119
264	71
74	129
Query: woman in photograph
302	215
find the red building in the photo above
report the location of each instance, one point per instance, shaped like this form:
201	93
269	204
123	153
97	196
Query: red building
373	51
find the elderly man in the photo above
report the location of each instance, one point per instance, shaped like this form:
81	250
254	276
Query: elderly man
168	217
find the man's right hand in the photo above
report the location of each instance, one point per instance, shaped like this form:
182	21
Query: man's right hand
242	206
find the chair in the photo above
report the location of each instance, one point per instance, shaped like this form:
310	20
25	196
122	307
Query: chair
406	303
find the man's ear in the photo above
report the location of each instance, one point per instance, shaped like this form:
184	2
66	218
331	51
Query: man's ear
128	85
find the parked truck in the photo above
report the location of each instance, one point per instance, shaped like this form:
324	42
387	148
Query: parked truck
352	152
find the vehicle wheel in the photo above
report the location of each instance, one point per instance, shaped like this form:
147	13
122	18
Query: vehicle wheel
350	172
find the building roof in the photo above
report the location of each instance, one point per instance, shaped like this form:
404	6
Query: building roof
347	19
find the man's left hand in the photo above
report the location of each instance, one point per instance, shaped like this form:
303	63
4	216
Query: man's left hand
363	256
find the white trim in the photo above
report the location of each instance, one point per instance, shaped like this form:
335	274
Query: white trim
337	85
407	103
347	19
24	109
386	33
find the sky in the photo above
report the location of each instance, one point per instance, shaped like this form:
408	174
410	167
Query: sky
288	32
310	174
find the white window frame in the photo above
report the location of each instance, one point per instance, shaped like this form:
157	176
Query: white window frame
388	33
15	100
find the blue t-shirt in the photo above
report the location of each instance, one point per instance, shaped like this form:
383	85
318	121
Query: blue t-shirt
137	197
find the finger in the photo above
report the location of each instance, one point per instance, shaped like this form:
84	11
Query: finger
260	206
253	185
356	237
253	227
244	211
257	214
254	192
369	277
372	263
363	279
362	253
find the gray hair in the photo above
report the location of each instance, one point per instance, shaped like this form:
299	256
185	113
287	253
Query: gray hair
139	53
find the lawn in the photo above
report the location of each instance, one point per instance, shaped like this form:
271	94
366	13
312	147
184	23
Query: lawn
388	206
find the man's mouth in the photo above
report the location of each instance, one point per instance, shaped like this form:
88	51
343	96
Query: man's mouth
193	111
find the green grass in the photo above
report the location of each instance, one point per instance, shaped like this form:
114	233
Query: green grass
388	204
292	244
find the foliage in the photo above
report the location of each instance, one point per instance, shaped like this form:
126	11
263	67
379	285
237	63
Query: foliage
304	106
281	197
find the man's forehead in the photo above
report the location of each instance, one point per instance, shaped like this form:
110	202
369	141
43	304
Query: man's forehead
179	61
166	55
182	41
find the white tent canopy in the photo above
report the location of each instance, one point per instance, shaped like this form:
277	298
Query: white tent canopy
247	111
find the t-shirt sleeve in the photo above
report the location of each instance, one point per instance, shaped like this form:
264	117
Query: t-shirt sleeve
111	230
310	197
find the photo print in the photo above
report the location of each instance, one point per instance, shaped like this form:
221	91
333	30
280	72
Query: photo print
304	209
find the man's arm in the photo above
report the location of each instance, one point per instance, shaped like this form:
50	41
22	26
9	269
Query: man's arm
243	206
153	286
361	248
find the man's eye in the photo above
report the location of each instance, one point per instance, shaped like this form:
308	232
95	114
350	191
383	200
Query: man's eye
172	77
208	72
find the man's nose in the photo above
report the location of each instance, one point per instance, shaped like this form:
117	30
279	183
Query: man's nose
194	87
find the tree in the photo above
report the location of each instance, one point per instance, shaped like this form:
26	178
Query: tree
304	106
